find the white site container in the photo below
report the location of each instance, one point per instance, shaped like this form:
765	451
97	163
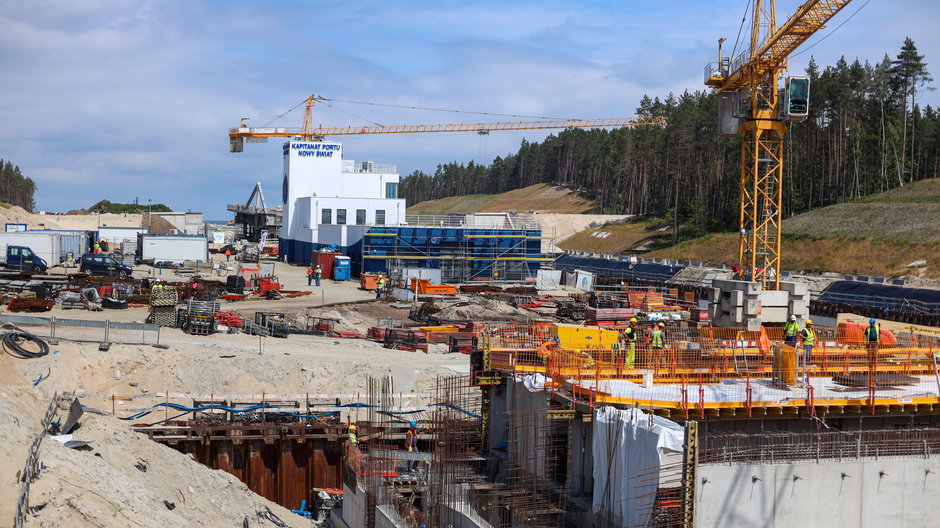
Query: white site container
173	248
46	244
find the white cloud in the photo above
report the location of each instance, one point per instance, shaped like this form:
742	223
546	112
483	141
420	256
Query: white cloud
117	99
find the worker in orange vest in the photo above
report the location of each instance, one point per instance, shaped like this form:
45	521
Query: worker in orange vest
310	275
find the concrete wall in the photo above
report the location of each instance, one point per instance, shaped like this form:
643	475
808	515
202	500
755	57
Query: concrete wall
185	223
860	494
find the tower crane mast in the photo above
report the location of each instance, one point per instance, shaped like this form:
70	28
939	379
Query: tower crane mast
750	106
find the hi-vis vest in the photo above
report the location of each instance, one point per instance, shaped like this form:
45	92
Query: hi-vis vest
657	341
810	338
791	329
873	333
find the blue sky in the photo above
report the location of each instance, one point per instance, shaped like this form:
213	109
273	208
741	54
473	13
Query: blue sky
122	99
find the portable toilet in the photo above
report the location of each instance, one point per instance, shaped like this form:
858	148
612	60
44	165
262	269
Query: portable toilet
341	268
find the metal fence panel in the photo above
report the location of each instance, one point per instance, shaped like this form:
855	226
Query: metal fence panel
86	330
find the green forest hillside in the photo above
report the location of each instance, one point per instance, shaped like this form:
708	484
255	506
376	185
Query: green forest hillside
864	135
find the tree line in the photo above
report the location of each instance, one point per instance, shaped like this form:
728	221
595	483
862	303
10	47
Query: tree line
865	134
16	189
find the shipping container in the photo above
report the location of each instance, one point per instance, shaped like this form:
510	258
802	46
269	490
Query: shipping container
172	248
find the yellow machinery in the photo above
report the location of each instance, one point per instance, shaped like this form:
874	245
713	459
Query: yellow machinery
237	136
750	106
575	337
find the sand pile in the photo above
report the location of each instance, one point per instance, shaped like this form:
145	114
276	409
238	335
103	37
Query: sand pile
16	214
121	479
480	309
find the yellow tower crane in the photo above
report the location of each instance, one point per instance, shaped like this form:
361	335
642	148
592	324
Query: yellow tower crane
237	136
750	106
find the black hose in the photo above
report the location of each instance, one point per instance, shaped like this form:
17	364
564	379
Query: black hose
13	343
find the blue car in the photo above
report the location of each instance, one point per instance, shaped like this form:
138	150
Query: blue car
97	264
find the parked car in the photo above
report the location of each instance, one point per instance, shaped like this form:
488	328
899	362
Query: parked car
98	264
23	258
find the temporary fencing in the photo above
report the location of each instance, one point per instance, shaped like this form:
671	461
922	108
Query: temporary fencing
86	330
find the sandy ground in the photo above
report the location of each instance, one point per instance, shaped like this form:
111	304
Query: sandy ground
565	225
80	222
103	487
121	479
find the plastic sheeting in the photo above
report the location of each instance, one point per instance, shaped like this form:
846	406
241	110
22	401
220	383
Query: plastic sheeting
626	444
535	382
548	279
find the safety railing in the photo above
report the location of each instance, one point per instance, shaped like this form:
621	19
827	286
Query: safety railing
86	330
727	368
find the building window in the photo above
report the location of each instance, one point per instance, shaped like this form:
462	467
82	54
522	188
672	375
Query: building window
326	216
380	217
341	216
391	190
360	216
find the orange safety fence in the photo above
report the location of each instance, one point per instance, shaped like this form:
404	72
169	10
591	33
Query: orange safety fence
730	367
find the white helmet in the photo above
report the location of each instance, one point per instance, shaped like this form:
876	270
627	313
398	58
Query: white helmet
793	318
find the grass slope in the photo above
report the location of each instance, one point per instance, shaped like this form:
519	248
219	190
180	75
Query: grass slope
876	235
622	237
541	198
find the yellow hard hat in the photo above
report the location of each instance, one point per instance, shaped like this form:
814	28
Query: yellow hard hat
662	325
352	427
809	321
633	319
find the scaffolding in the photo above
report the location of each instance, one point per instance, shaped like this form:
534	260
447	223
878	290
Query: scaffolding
465	248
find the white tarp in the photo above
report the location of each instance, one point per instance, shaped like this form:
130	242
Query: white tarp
626	445
535	382
585	281
548	279
571	278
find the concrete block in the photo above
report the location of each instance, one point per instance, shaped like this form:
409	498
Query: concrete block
737	297
797	288
799	308
775	298
714	295
752	307
774	314
736	314
753	324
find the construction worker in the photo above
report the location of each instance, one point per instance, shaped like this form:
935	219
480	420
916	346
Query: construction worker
630	334
411	444
309	274
790	331
317	274
353	439
544	351
657	342
379	286
228	254
808	341
96	248
872	342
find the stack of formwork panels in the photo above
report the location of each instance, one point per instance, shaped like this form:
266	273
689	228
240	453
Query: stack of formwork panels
163	305
745	303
